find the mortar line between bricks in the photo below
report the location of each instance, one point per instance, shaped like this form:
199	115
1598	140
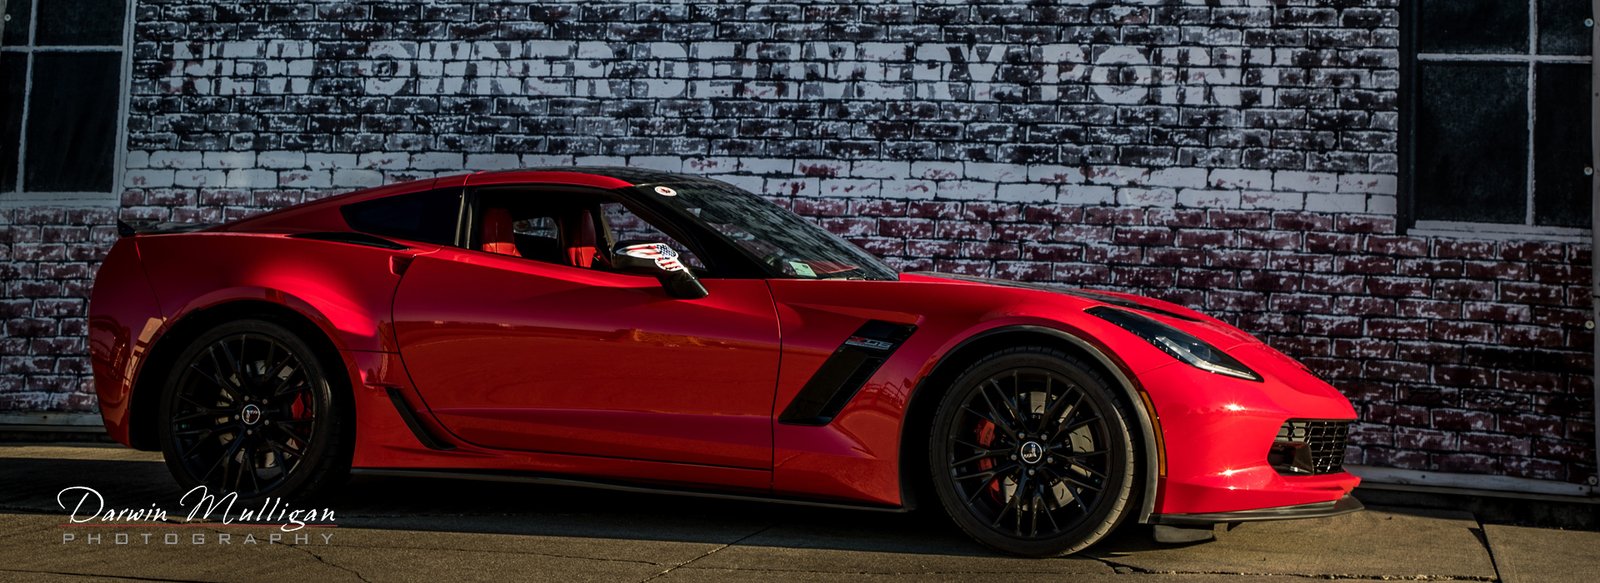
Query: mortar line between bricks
708	553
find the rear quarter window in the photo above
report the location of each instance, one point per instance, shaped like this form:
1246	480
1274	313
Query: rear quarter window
429	217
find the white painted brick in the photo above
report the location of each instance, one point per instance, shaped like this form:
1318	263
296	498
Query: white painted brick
137	159
1055	174
1078	194
492	162
230	159
850	188
200	178
749	183
1178	178
1369	183
909	189
1147	197
1026	192
996	172
382	161
1382	205
305	179
357	178
147	178
281	160
1336	203
1296	181
765	166
1204	198
791	187
937	170
545	160
1236	179
601	161
966	190
176	160
1272	200
880	169
437	161
252	179
330	161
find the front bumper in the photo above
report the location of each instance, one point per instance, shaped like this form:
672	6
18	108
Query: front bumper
1344	505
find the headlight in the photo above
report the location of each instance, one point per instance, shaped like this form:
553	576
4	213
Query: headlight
1190	350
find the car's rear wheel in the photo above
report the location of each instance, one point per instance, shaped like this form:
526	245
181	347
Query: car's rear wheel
250	409
1031	454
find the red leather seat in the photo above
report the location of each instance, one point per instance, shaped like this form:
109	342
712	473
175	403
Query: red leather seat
498	236
577	237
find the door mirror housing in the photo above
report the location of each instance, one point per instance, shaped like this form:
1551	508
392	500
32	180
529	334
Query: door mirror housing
661	261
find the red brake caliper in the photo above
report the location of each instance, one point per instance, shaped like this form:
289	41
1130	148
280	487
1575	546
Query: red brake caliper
985	437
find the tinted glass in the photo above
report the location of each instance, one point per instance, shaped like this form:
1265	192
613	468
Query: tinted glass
627	226
16	29
1471	127
13	73
72	122
1561	27
1562	147
429	217
1473	26
80	22
786	244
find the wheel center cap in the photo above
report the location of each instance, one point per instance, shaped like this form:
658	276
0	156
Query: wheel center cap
250	415
1031	452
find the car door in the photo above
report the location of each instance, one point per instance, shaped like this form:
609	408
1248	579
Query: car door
514	353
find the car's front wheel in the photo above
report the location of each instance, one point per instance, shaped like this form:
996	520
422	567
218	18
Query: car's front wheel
1031	454
250	408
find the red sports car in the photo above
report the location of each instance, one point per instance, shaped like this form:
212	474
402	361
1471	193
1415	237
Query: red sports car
644	330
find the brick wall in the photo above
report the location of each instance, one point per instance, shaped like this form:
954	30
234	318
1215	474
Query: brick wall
1237	156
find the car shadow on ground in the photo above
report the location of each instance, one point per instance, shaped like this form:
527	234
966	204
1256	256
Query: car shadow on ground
31	485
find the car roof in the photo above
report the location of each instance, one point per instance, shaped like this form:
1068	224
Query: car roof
601	176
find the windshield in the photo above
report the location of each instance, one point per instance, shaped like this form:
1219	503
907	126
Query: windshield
786	244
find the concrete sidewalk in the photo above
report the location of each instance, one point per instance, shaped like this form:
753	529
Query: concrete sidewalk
435	530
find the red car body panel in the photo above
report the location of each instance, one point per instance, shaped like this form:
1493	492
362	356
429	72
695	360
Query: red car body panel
531	367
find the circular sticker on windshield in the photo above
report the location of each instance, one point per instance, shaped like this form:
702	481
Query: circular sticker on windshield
666	191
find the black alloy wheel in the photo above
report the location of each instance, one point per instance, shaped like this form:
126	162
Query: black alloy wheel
249	409
1031	453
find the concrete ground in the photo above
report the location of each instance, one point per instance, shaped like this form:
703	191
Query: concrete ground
436	530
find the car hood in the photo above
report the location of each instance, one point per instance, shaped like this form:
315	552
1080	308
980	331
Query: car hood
1219	333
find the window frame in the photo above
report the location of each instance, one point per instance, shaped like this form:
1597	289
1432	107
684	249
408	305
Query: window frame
119	162
1410	56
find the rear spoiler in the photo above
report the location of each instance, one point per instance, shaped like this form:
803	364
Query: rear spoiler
148	227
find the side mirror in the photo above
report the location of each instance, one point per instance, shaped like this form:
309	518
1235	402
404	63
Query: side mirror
661	261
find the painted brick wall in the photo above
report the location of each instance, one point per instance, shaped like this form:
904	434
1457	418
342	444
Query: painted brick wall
1237	156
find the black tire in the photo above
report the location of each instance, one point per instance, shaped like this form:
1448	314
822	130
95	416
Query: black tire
1046	479
254	391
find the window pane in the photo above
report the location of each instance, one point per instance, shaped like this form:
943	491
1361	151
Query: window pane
80	22
430	217
1561	27
16	30
1471	139
72	122
626	226
13	72
1562	147
1473	26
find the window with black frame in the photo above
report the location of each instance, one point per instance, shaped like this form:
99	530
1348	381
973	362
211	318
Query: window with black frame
1500	114
61	87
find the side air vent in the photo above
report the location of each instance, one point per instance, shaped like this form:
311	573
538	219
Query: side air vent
427	438
843	373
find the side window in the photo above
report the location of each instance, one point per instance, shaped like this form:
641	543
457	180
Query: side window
429	217
626	226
